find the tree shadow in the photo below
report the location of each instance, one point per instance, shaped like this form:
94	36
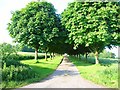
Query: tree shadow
55	73
59	73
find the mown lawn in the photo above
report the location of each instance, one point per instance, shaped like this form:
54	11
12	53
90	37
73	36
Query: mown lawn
42	69
103	74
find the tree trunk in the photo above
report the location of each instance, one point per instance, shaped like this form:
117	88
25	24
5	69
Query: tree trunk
79	56
36	54
50	56
46	56
53	55
86	56
96	58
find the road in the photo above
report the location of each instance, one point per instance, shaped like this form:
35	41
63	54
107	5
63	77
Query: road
65	76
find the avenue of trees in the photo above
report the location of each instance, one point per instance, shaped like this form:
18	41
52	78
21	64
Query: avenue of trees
93	24
36	25
82	28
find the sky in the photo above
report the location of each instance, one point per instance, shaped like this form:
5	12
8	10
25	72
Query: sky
6	6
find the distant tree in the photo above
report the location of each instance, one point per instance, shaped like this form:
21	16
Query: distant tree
112	55
6	50
27	49
106	54
35	25
93	24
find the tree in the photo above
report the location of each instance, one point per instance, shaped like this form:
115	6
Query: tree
93	24
107	54
35	25
6	50
27	49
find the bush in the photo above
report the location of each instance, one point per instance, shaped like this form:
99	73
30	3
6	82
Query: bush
24	57
19	73
6	50
21	57
104	54
14	70
27	49
105	62
11	62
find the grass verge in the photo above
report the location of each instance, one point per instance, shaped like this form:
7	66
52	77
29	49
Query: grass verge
42	69
106	75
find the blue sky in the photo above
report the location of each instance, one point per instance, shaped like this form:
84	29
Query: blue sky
6	6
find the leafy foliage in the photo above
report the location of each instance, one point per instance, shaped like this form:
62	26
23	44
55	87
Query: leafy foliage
6	50
106	54
19	73
28	72
35	25
93	24
27	49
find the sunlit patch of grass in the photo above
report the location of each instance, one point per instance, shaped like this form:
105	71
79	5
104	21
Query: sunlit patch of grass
103	74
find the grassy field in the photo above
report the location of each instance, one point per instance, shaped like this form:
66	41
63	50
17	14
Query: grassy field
105	74
42	69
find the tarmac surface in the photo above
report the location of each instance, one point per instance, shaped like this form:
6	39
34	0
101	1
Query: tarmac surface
65	76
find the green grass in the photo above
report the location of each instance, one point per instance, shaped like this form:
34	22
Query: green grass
103	74
43	69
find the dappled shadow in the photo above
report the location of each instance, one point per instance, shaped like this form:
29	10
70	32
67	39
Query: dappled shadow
63	70
58	73
41	72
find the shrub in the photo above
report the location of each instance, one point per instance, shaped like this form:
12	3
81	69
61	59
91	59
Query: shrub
19	73
21	57
102	61
6	50
12	62
104	54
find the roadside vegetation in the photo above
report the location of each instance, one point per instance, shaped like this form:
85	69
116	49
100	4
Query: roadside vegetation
20	68
19	73
105	73
82	28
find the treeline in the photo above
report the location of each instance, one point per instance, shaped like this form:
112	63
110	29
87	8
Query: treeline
104	54
10	52
82	28
26	49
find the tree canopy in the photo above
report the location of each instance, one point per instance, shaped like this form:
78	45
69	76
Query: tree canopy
83	27
35	25
93	24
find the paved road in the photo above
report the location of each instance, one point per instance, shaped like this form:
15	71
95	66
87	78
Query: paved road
65	76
